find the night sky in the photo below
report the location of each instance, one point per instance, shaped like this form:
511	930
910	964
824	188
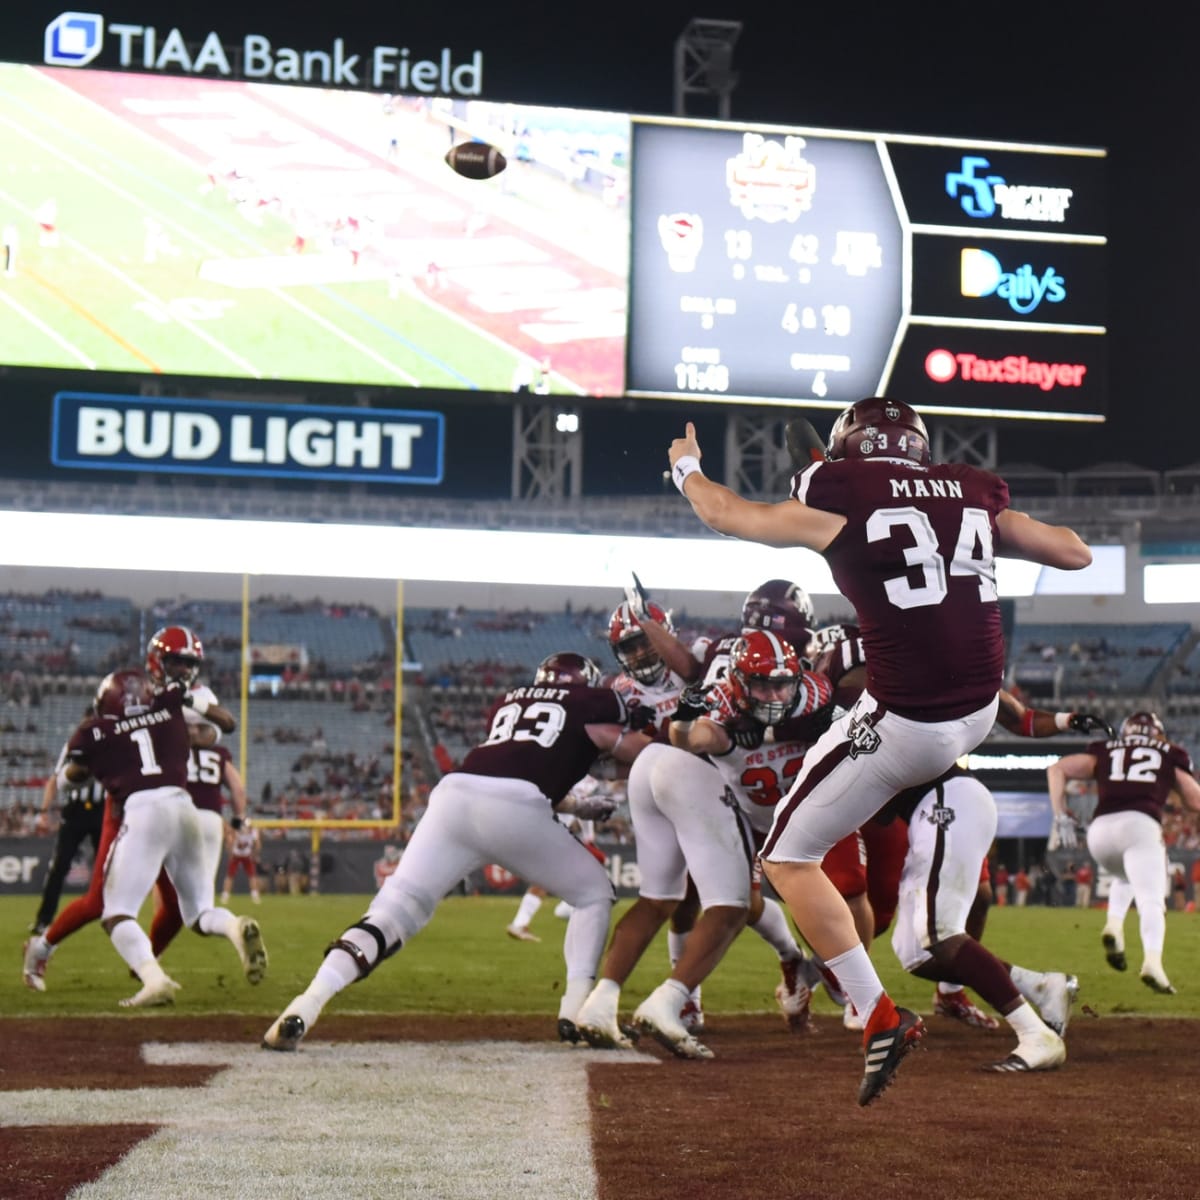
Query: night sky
1071	73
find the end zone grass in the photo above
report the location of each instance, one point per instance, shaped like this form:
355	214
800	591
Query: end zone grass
464	963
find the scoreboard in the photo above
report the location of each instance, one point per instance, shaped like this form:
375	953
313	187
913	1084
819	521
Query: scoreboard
783	265
211	229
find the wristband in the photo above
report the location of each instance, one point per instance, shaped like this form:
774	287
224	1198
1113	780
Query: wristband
1062	721
1027	723
689	464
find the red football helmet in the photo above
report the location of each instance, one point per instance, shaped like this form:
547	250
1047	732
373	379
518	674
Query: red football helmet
632	647
123	694
568	668
782	607
174	652
881	428
1145	724
764	674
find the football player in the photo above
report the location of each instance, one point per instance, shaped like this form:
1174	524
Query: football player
138	732
1136	774
497	807
912	545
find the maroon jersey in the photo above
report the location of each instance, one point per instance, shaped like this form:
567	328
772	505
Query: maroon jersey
538	734
206	773
1136	773
916	560
135	754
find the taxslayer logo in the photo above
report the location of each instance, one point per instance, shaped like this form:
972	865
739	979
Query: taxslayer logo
944	366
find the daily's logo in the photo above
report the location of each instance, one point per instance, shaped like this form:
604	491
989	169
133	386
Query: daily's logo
1023	288
73	39
982	194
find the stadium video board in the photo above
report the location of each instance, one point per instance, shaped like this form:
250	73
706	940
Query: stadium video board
212	228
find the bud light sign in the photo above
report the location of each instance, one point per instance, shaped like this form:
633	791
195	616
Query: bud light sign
211	437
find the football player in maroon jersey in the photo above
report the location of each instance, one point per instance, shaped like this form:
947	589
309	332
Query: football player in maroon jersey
911	544
138	737
497	807
1136	773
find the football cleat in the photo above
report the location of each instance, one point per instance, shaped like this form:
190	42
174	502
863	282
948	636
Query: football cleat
521	933
1054	996
1044	1052
960	1008
567	1031
249	944
851	1019
152	995
885	1049
1114	952
1156	981
33	969
793	997
658	1015
286	1034
691	1016
597	1024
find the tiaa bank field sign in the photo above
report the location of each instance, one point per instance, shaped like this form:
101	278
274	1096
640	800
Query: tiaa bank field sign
215	437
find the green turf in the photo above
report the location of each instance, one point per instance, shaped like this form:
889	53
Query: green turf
463	962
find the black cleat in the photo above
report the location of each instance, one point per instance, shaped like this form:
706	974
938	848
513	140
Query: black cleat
1114	957
568	1032
885	1050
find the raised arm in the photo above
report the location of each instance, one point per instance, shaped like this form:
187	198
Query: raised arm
1023	536
789	523
700	737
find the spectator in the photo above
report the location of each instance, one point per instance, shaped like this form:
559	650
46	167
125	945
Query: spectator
1084	878
1021	886
1000	882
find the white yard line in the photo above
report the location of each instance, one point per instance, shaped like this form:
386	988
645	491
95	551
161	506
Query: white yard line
52	334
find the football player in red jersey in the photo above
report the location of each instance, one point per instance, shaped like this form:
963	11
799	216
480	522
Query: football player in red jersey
911	544
498	807
1136	772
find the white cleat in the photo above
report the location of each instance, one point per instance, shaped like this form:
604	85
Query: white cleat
153	995
659	1016
793	997
521	933
1054	996
249	944
596	1022
1154	978
33	969
292	1024
1045	1052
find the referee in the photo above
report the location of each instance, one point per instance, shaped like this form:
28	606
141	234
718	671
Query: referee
81	817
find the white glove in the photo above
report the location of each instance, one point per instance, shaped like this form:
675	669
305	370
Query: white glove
1064	828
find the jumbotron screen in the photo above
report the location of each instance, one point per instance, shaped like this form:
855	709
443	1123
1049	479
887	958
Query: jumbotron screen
212	228
790	265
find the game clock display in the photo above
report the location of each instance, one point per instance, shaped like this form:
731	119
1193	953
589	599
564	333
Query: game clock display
818	267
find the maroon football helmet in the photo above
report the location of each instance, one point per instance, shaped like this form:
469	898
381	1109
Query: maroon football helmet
123	694
632	647
782	607
174	652
1145	724
880	428
764	673
568	668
